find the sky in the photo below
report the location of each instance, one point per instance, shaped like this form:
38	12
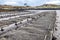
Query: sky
29	2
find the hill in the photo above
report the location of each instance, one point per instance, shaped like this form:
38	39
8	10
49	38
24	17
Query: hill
16	8
48	6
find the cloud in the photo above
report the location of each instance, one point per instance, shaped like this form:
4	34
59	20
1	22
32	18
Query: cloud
13	2
29	2
53	2
10	3
19	2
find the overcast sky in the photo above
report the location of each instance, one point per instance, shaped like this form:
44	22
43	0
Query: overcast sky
29	2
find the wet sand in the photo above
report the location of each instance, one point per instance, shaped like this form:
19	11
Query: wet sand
37	29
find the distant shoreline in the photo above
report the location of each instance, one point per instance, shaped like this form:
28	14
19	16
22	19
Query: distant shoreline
7	10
